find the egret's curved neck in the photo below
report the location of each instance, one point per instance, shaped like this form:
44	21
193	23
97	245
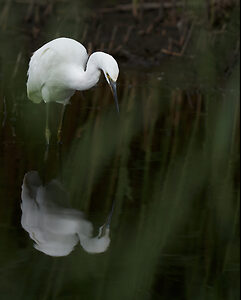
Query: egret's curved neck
84	80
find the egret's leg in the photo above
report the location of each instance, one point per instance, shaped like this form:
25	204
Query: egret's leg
61	124
47	131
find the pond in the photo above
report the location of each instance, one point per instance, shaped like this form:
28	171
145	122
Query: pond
138	205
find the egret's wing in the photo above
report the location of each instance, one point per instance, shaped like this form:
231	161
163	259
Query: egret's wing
69	51
38	73
49	64
55	245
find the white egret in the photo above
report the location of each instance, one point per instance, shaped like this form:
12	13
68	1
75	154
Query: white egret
62	66
55	228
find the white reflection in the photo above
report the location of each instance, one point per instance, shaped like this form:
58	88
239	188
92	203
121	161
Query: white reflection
55	228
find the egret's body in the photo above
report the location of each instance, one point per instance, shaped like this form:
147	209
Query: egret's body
62	66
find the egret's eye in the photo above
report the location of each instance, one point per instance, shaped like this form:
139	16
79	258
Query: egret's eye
108	76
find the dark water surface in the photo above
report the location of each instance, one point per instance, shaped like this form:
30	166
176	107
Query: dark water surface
168	162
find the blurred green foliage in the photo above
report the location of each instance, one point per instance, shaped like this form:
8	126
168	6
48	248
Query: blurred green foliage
170	161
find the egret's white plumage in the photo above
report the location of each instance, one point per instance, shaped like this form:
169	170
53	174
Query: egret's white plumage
62	66
55	228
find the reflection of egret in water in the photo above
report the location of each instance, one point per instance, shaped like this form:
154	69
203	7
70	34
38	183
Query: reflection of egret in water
55	228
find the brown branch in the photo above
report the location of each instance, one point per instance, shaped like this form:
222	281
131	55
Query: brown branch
114	31
127	35
173	53
169	52
187	39
144	6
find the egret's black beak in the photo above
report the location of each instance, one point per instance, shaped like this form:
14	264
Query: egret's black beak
114	92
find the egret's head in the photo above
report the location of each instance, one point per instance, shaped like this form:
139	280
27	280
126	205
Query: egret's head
110	69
